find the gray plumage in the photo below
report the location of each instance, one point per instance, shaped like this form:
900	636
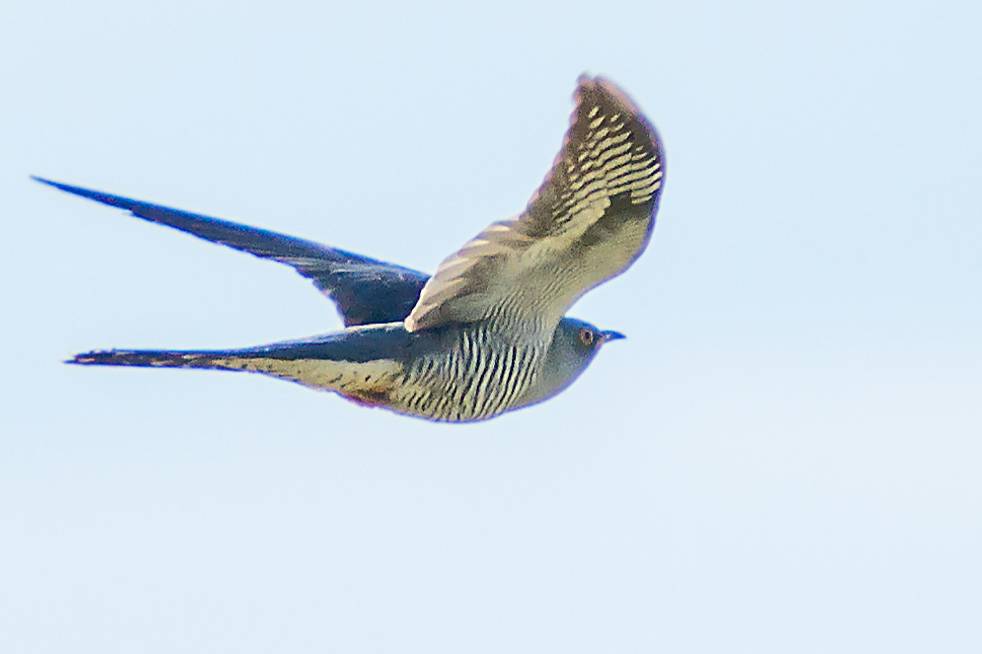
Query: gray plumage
486	333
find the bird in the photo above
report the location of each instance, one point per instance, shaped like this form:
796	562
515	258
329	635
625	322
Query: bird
487	332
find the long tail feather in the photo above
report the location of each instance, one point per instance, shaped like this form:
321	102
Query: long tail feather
223	360
360	362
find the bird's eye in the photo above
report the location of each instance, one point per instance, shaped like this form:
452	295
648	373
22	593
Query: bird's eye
586	336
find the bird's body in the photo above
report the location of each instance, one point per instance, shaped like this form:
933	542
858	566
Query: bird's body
454	373
484	335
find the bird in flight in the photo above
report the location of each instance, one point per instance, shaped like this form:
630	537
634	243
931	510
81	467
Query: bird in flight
486	333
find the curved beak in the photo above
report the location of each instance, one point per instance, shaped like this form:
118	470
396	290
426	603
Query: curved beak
610	335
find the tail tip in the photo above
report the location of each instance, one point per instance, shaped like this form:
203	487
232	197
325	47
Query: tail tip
89	358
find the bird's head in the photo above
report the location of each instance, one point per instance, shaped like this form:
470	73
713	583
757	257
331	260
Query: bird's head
581	340
574	344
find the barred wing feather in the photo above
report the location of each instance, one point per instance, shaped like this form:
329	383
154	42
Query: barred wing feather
590	219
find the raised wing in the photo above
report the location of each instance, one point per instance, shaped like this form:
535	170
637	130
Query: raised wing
590	219
365	291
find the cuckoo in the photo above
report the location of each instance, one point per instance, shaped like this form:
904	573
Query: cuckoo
486	333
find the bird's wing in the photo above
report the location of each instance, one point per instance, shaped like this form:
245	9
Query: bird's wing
365	291
590	219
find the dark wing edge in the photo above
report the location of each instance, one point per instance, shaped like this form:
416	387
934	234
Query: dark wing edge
366	291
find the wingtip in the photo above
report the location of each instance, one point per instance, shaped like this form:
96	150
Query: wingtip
61	186
91	194
43	180
587	84
606	86
584	83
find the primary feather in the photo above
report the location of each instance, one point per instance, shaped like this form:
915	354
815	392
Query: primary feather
365	290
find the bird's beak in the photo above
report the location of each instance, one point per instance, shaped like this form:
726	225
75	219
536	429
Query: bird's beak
611	335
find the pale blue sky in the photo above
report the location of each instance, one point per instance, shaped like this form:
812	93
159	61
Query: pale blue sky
782	457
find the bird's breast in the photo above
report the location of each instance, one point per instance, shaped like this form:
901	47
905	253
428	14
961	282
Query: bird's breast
480	376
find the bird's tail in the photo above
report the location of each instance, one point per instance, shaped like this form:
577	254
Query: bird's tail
358	361
208	359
